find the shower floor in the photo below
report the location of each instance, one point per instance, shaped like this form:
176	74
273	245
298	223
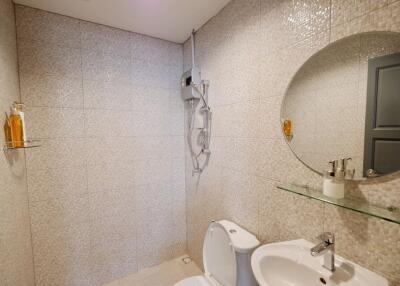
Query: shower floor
165	274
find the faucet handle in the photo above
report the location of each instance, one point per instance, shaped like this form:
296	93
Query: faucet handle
327	237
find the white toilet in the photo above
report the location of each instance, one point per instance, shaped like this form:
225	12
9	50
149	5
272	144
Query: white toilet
227	250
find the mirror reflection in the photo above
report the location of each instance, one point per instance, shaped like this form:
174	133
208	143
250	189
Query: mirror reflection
344	102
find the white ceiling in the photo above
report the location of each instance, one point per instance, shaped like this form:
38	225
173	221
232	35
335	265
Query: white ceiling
171	20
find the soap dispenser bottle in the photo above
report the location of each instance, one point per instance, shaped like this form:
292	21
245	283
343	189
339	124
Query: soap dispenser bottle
333	185
17	126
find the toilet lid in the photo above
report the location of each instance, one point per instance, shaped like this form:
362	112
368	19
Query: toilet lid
219	257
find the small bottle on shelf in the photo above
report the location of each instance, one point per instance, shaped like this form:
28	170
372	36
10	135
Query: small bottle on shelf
17	126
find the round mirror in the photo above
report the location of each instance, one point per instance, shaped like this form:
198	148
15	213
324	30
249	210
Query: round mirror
344	102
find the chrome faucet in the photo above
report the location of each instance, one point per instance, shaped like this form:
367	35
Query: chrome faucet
327	248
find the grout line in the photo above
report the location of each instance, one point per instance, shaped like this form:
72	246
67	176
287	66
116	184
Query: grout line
330	21
24	151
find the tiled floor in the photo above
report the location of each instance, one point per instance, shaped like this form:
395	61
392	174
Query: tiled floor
165	274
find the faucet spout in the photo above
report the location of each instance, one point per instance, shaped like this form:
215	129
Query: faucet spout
327	248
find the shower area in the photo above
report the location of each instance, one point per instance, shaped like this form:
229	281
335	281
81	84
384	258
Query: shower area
103	194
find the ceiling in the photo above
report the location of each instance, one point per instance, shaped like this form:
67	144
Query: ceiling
171	20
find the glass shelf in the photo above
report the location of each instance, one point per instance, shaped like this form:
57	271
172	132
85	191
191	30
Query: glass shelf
25	144
389	214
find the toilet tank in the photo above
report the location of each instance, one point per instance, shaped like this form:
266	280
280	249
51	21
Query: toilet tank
227	251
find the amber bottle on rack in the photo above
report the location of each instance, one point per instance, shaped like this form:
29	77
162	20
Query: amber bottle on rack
17	126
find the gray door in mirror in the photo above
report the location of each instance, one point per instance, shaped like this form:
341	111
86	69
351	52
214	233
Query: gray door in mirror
382	124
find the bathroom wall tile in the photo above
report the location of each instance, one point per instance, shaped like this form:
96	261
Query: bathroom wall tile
44	59
175	54
109	150
275	16
175	74
111	203
379	191
231	85
8	35
156	123
247	18
367	6
113	124
206	191
285	216
57	153
111	176
240	199
187	55
342	11
243	124
279	78
176	120
118	227
148	98
61	255
239	154
12	176
51	91
155	50
54	122
46	184
161	148
151	49
113	108
160	201
133	149
395	7
56	213
345	10
103	66
270	111
110	260
104	39
309	18
16	250
176	104
7	10
177	113
16	265
376	45
42	26
9	78
364	240
165	171
344	30
378	20
108	95
270	220
146	73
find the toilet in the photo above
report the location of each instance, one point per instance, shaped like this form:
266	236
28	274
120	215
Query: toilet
227	250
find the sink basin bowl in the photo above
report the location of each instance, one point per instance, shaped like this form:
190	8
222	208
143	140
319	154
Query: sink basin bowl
291	264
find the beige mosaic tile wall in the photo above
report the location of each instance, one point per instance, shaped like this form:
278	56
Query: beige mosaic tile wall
16	262
250	51
106	189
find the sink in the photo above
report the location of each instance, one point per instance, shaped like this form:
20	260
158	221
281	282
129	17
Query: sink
291	264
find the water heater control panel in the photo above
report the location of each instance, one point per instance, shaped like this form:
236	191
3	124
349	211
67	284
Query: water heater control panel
189	78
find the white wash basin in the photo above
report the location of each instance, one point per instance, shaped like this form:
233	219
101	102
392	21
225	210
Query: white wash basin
291	264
